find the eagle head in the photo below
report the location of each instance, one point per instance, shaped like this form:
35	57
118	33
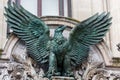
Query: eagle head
60	29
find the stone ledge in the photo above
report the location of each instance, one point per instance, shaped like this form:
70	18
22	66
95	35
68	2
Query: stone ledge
62	78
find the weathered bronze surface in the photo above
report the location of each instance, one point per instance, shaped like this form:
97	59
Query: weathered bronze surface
62	54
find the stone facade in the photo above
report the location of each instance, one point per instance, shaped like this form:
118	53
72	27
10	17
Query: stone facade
103	62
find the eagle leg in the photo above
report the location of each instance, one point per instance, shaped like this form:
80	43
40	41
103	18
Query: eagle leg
67	67
52	71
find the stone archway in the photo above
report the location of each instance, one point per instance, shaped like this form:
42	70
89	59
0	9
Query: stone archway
15	64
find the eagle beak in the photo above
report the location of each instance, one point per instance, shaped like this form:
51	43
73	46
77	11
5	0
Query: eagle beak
63	28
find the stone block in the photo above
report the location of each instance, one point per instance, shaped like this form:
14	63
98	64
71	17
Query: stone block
62	78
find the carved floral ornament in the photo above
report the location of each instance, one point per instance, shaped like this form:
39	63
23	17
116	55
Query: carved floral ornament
20	66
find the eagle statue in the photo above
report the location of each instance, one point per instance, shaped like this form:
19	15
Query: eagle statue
62	54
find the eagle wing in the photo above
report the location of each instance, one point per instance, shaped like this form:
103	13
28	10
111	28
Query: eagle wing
30	29
86	33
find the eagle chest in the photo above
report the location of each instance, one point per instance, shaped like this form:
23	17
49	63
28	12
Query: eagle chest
57	46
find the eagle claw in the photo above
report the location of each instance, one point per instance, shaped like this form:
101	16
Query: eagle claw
69	74
51	73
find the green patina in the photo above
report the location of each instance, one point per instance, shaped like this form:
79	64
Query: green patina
62	54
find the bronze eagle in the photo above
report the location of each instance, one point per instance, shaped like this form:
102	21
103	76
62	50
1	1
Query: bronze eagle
62	54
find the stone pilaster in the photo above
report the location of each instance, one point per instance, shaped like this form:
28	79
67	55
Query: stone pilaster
3	25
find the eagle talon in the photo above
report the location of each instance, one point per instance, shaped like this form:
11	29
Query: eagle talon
69	74
51	73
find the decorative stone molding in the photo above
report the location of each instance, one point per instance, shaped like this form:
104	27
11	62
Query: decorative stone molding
58	20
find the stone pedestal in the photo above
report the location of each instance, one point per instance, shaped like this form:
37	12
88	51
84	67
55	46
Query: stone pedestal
62	78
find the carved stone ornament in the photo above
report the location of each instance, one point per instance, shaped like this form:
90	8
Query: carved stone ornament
67	57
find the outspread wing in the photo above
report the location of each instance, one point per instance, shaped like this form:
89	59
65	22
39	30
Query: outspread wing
86	33
29	28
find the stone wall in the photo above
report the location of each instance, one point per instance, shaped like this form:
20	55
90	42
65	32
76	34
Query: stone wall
3	25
